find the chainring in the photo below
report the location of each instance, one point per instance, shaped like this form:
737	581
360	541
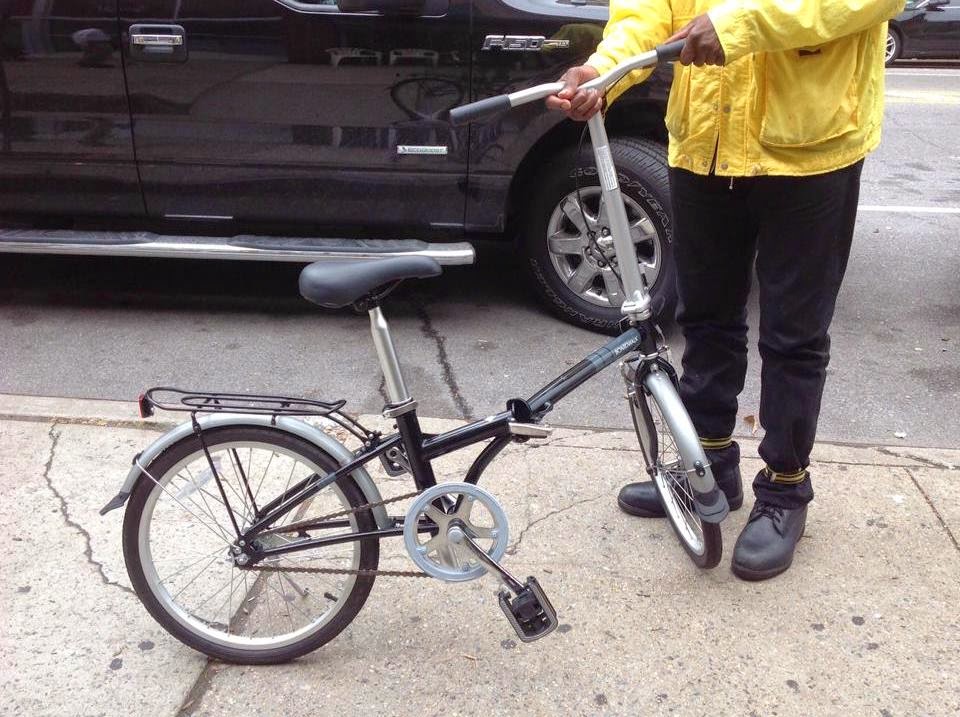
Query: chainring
440	557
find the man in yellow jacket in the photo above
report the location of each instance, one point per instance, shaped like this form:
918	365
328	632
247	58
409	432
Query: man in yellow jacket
771	112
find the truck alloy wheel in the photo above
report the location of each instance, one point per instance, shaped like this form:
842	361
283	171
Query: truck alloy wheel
571	273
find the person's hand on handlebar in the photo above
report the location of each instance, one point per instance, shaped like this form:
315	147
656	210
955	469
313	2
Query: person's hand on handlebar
702	46
579	105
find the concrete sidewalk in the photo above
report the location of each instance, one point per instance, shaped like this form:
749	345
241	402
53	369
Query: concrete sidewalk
865	623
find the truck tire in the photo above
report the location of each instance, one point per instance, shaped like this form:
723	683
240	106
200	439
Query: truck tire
566	273
894	46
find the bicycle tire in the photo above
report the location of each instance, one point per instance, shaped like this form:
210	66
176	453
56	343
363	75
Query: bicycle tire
204	633
668	461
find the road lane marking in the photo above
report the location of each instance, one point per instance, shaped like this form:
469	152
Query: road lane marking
905	209
923	73
922	97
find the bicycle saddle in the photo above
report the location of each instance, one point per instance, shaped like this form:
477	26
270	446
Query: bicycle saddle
334	285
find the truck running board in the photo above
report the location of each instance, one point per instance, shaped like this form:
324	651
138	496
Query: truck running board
255	248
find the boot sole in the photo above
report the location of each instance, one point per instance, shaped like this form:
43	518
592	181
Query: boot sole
642	513
757	575
638	512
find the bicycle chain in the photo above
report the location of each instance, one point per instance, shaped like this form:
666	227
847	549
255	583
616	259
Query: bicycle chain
339	571
311	522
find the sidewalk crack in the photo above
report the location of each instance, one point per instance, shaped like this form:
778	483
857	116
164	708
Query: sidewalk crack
193	700
54	435
430	331
929	462
943	523
555	440
512	550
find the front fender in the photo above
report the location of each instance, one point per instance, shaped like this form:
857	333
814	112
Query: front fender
296	427
711	503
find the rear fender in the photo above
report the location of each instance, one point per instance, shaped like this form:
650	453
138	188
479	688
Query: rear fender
295	427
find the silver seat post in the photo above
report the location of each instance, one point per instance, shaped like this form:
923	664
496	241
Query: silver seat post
387	354
636	303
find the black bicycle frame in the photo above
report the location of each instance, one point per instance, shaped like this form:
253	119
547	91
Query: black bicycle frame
420	450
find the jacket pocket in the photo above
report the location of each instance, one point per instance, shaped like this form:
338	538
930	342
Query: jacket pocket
810	94
678	104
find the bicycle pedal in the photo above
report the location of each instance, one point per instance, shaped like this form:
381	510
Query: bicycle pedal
529	612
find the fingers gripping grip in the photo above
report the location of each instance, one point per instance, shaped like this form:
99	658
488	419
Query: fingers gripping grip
481	109
670	52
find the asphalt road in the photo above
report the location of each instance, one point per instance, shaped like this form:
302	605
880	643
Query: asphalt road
107	328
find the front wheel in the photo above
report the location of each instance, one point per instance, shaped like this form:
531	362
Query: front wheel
570	272
669	461
179	543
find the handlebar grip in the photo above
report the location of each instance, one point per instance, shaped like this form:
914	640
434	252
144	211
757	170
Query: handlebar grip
481	109
671	51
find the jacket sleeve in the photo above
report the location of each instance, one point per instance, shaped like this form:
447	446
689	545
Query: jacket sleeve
635	26
748	26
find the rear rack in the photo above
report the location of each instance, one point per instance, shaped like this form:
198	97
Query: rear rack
167	398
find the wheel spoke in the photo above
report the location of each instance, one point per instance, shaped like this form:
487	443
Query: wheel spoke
194	579
694	521
214	552
465	509
435	514
612	285
256	493
603	217
477	531
571	210
434	543
207	507
211	596
286	601
185	508
681	483
559	244
581	279
642	230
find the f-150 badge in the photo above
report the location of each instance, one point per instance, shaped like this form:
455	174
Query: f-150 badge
522	43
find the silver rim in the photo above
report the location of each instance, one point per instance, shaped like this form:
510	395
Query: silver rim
671	479
185	535
891	46
577	262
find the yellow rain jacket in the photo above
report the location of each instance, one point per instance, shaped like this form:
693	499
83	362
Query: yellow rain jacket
801	93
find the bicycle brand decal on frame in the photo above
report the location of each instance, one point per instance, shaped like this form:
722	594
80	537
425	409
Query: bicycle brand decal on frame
437	149
522	43
608	173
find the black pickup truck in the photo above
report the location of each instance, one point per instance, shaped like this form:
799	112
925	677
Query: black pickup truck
299	130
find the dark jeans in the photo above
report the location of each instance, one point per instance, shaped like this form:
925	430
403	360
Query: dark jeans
799	230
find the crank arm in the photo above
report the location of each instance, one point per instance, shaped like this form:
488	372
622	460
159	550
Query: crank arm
457	535
530	612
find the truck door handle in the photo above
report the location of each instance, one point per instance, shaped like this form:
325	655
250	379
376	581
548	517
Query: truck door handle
158	43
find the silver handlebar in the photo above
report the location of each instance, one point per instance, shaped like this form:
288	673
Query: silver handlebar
500	103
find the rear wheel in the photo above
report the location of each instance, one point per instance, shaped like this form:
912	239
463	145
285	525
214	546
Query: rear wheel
569	271
179	547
